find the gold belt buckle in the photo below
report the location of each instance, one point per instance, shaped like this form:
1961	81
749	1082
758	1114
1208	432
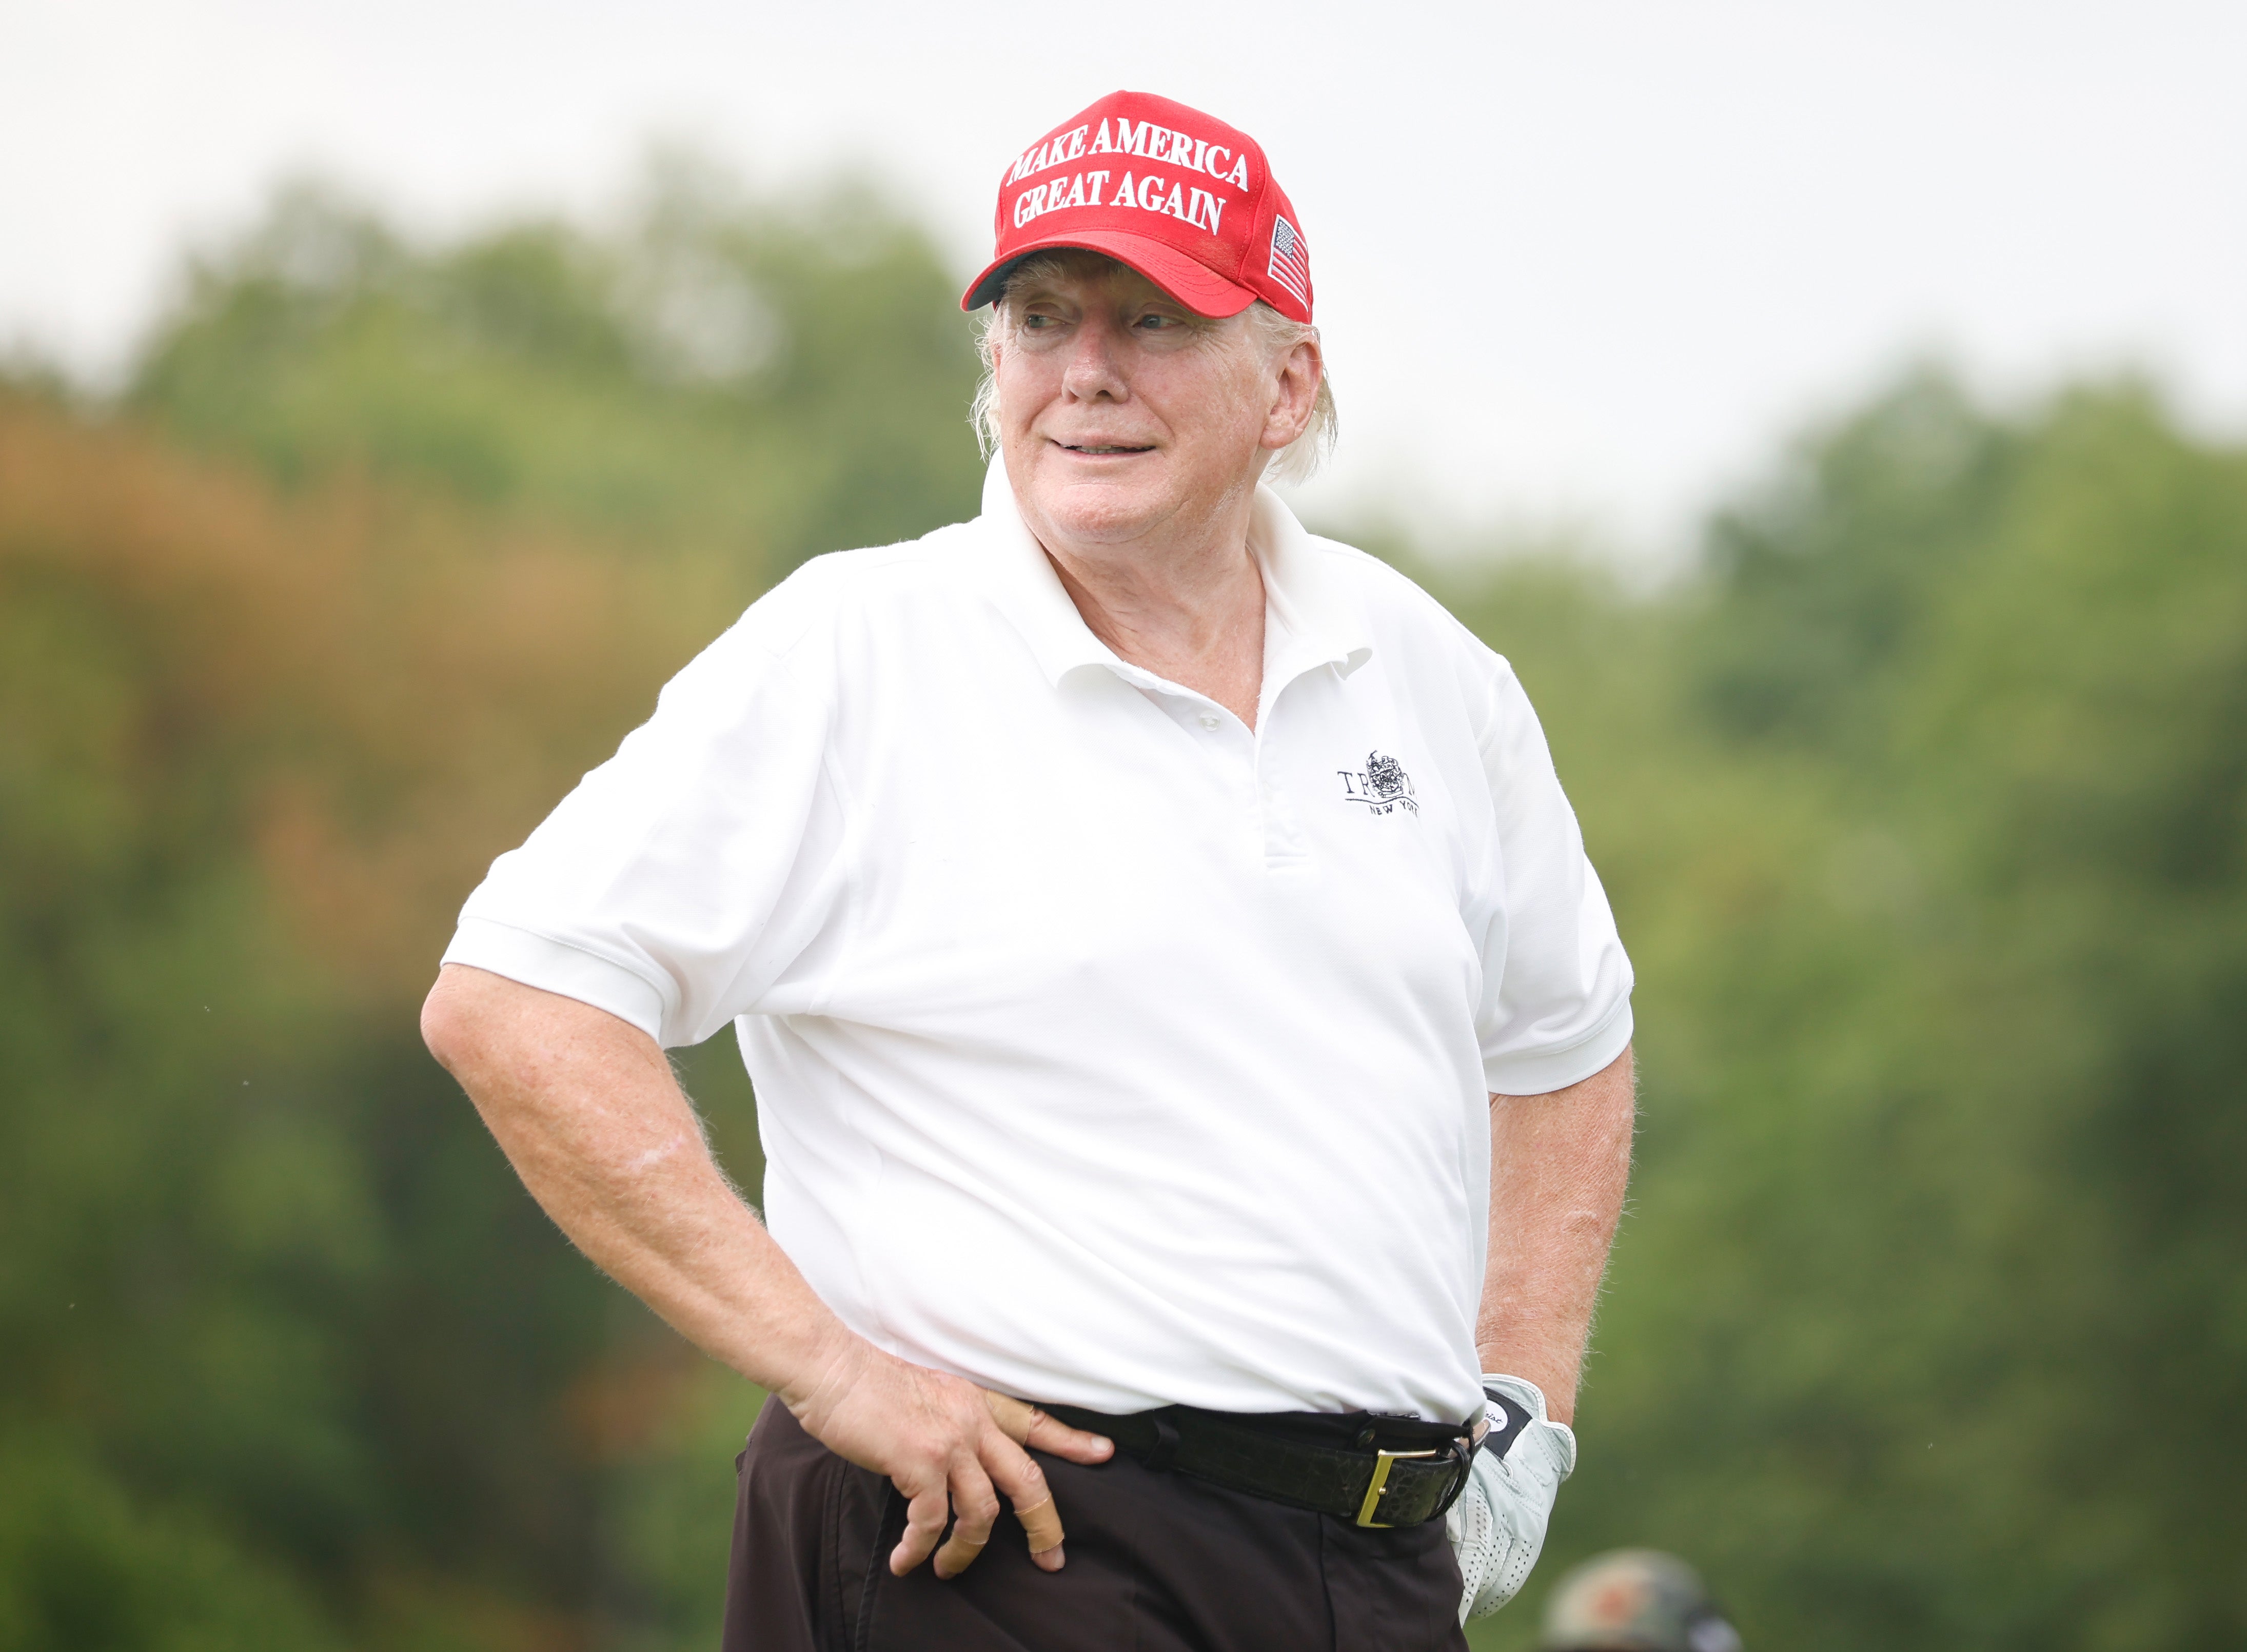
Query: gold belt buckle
1380	1478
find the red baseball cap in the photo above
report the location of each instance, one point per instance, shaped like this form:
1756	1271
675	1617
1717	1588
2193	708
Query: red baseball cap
1184	199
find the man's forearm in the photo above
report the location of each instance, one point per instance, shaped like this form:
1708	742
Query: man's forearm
1558	1167
589	1113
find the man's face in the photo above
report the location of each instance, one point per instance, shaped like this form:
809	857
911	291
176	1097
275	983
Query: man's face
1123	412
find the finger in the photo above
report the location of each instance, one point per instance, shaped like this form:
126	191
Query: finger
955	1557
1026	1424
1018	1475
1041	1525
1050	1434
924	1516
976	1506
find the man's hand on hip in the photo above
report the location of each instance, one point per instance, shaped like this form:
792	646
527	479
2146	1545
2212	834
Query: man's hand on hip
1497	1527
948	1446
592	1118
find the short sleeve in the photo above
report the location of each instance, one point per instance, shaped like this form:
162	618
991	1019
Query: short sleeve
1556	982
682	882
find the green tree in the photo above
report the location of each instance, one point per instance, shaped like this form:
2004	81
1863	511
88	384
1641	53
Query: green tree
1926	1328
262	1278
759	381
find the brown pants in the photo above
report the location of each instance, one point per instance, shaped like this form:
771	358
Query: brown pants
1157	1562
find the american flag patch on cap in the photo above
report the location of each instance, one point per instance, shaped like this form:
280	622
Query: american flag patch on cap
1291	265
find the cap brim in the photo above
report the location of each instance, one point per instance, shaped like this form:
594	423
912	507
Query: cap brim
1195	286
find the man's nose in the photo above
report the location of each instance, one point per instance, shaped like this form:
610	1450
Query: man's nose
1095	373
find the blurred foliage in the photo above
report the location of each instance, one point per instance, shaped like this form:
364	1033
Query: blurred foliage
759	378
258	1271
1923	803
1925	810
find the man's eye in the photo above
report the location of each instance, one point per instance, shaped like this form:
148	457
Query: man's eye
1158	323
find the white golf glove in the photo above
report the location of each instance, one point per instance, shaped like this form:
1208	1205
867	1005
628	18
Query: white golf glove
1498	1524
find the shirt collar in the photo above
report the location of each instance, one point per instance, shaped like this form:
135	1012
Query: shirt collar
1028	591
1300	591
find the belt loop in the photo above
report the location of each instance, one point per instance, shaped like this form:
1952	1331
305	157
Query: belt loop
1165	1450
1463	1455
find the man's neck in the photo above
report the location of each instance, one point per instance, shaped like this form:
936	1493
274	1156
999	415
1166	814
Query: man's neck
1191	613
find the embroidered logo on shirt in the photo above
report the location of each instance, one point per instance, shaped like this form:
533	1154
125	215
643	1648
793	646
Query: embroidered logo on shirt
1382	786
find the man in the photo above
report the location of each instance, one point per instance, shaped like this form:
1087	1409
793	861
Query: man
1634	1601
1166	961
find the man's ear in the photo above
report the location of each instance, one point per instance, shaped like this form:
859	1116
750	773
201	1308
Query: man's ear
1296	401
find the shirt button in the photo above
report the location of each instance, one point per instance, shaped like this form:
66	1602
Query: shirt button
1208	721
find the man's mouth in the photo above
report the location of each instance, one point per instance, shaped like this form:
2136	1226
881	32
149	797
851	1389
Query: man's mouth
1098	448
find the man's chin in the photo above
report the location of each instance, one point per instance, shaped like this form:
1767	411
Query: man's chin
1103	507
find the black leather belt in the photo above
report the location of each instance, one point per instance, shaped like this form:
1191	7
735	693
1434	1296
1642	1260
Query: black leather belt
1374	1471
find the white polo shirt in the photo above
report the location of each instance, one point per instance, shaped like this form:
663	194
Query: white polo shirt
1106	1052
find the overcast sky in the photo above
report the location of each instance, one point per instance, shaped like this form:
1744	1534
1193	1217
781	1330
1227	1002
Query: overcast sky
1585	259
